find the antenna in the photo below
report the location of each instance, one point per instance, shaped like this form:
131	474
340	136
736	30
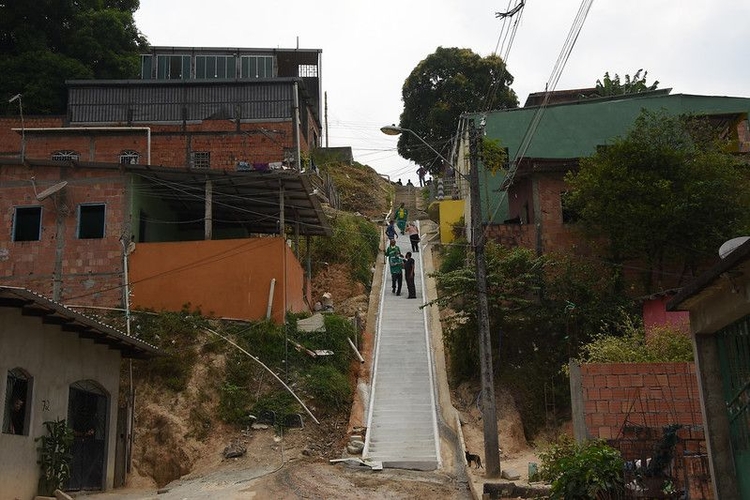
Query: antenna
51	190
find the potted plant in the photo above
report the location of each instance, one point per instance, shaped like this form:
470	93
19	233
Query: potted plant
54	456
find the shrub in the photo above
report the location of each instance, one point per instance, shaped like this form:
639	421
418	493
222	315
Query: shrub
355	242
579	471
663	344
177	335
281	403
329	387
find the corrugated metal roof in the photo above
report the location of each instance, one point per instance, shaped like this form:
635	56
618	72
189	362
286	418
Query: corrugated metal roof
250	198
51	312
574	130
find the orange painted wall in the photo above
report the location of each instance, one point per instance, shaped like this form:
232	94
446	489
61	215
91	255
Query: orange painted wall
224	278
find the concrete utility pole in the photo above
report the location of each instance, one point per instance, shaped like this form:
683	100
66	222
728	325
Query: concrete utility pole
491	445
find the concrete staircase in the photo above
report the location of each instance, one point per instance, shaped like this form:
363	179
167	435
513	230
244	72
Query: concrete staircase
402	430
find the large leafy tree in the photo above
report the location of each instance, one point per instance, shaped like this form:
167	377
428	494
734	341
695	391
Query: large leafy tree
445	84
665	196
608	86
45	42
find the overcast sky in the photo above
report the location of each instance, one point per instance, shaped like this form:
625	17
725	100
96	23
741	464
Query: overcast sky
369	48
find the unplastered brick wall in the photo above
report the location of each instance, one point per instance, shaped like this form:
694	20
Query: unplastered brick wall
635	407
617	396
10	130
60	264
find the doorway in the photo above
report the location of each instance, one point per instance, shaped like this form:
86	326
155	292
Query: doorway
87	416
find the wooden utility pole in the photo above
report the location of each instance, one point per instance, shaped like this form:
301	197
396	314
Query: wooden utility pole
491	445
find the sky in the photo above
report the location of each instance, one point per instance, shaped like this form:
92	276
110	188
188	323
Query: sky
369	49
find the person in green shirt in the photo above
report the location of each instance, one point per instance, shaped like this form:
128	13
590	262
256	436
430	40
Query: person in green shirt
401	214
396	264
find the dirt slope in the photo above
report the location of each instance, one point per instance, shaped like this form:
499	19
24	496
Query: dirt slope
170	450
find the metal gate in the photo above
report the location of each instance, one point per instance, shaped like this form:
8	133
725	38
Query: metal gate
734	357
87	415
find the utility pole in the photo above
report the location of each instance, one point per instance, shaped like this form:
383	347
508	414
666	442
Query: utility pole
491	445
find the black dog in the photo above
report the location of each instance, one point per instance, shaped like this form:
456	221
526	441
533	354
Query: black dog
470	457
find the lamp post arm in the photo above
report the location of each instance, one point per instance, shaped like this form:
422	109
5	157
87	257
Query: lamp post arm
446	160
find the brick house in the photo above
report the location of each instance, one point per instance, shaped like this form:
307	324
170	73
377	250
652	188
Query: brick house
526	208
204	152
630	405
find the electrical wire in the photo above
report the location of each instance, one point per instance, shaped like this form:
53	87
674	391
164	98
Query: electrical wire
550	87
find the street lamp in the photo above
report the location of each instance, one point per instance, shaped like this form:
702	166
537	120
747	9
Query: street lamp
491	444
17	97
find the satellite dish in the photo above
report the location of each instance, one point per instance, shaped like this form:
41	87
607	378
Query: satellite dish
51	190
730	246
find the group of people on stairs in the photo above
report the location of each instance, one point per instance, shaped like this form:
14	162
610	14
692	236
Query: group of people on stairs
402	266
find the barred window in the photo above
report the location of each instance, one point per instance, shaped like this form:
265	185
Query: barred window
65	155
307	70
200	159
18	385
129	157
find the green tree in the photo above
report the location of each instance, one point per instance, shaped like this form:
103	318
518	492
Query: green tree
445	84
667	193
613	86
44	43
541	308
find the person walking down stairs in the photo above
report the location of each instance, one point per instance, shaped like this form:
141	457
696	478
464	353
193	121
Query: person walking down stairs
396	265
409	275
390	231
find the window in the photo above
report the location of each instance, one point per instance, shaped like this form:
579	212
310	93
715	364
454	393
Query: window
200	159
147	62
17	397
569	215
65	155
129	157
27	224
173	67
309	70
215	67
257	67
90	221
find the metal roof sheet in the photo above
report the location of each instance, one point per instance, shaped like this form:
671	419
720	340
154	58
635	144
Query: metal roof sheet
51	312
575	129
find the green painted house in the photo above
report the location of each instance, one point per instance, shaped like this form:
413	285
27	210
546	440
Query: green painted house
551	139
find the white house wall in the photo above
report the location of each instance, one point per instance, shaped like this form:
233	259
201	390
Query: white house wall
55	359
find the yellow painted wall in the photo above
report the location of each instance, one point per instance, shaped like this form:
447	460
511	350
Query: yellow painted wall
450	213
224	278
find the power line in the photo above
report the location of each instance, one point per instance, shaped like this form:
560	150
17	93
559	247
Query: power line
551	85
